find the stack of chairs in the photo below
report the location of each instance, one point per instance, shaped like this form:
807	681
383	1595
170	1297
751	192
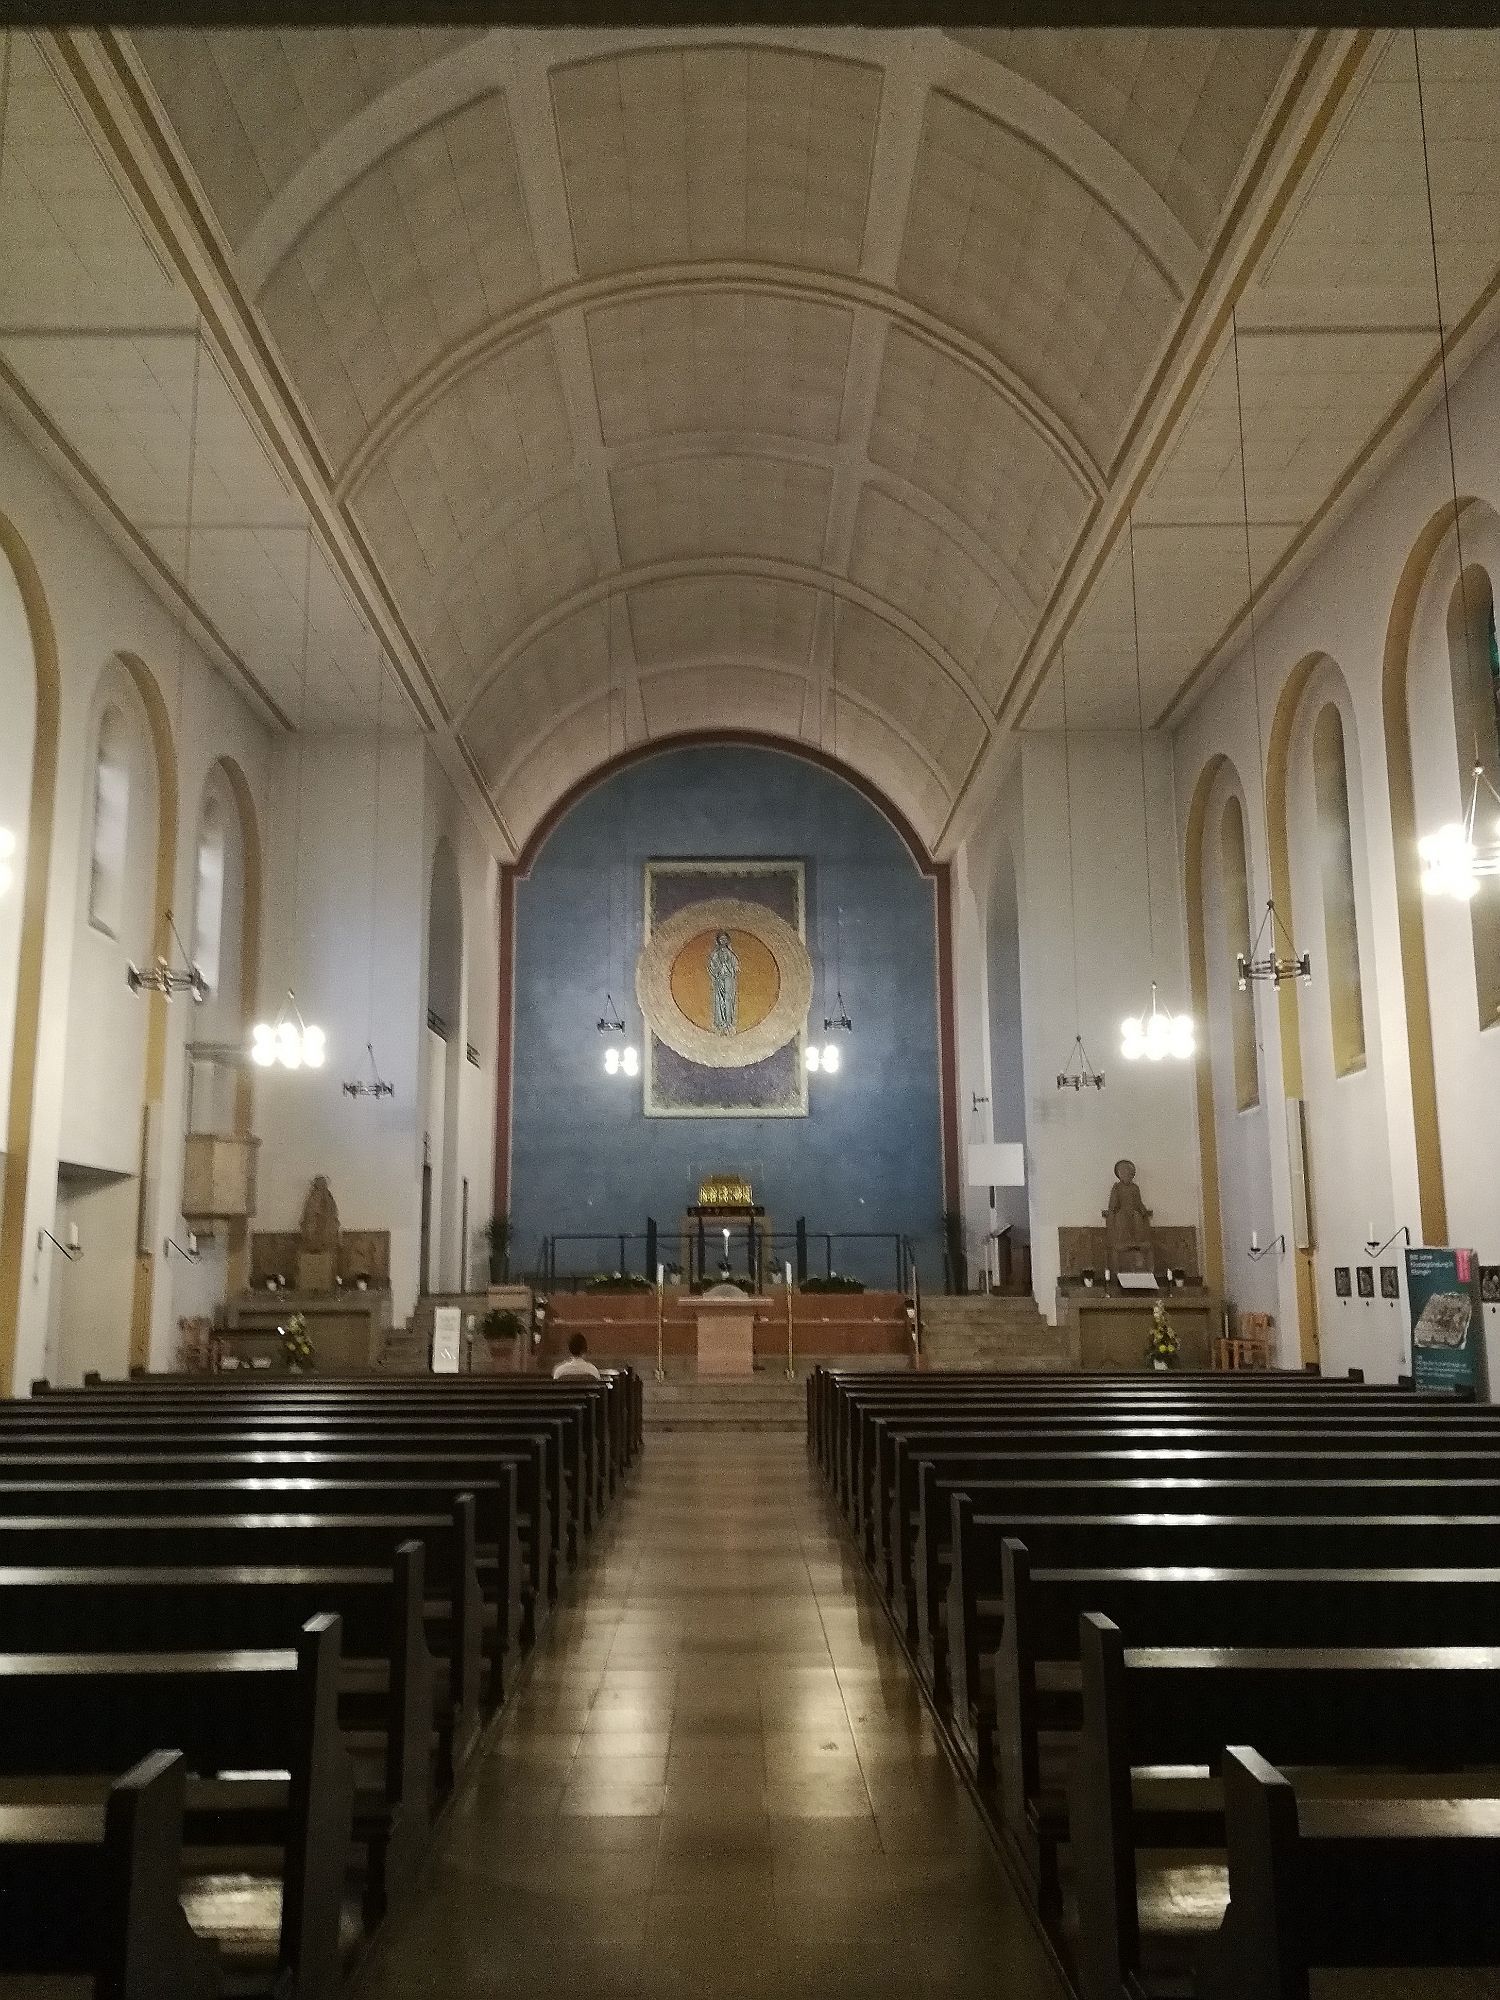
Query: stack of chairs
252	1635
1218	1653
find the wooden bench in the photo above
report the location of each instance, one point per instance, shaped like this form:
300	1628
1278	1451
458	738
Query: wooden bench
1317	1882
83	1715
1156	1722
91	1890
386	1674
1038	1698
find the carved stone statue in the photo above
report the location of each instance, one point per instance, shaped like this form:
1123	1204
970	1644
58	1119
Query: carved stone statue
1127	1223
320	1217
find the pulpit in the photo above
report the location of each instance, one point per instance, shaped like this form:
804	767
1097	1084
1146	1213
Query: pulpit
726	1333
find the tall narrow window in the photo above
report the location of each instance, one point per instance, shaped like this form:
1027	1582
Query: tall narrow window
1475	668
1346	1004
1234	895
111	824
208	909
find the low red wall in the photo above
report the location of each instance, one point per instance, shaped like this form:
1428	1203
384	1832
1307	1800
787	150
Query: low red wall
623	1326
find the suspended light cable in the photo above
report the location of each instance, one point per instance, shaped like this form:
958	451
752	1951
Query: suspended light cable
1157	1033
1273	957
161	976
621	1057
827	1058
1454	860
7	837
1078	1072
290	1041
374	1085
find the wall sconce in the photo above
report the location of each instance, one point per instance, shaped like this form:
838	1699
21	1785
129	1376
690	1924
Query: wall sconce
71	1249
190	1255
1373	1249
1256	1251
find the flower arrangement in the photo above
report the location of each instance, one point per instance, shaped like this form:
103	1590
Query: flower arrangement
617	1281
296	1344
1161	1342
836	1281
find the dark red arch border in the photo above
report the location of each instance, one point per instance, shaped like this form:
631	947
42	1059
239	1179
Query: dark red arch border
937	871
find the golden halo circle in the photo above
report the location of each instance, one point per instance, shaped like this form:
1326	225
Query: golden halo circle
673	986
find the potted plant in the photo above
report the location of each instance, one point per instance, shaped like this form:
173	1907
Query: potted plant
497	1234
296	1346
499	1324
835	1282
1161	1342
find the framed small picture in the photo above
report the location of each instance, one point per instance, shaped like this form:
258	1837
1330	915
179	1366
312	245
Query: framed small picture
1390	1281
1341	1285
1365	1278
1489	1284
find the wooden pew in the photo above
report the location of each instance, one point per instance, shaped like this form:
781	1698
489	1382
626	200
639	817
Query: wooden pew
304	1541
81	1715
1038	1698
1128	1541
1350	1883
386	1674
91	1890
1156	1722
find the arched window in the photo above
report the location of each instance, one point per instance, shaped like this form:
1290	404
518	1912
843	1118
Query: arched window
111	824
1346	1005
1474	664
1234	895
208	908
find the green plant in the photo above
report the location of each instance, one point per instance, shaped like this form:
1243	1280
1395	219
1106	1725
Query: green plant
499	1324
617	1281
1161	1342
296	1344
836	1281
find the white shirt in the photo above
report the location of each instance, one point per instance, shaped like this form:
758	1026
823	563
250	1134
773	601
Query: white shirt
576	1369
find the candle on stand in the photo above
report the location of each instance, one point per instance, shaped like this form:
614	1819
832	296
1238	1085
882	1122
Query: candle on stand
1255	1239
789	1277
661	1276
72	1235
1372	1237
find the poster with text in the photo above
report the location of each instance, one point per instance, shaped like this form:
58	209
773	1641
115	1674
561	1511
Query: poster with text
1447	1327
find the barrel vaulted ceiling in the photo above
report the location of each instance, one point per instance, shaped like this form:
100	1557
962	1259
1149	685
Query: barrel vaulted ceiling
801	382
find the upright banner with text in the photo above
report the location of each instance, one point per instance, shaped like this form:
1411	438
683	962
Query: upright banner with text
1447	1323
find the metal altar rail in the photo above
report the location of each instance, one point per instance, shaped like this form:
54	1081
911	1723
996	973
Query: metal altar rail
567	1260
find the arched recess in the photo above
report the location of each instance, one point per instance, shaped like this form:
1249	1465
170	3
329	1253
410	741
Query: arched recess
1474	675
221	1096
442	1222
1002	934
1320	857
1233	1132
31	886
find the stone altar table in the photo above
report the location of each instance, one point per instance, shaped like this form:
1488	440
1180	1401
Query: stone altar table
726	1333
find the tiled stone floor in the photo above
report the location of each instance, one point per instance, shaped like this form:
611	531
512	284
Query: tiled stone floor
718	1779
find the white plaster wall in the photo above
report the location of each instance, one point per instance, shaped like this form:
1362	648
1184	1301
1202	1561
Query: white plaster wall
1145	1111
99	609
17	741
1342	605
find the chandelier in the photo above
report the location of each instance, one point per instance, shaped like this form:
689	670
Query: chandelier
828	1060
288	1041
163	978
1274	958
620	1058
1453	862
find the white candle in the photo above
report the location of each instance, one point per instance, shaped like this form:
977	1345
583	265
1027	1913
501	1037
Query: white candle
661	1276
1372	1237
1255	1239
72	1235
789	1274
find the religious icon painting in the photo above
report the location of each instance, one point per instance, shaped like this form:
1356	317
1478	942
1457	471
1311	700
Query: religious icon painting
1390	1282
724	983
1364	1275
1341	1281
1489	1284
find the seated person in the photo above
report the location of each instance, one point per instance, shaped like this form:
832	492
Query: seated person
577	1367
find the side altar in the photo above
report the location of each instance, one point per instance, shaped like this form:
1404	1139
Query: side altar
336	1280
1113	1274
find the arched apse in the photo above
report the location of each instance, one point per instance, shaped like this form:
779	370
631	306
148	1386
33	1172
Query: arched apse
28	764
1007	1064
1331	1030
114	1044
1455	1054
1233	1120
443	1224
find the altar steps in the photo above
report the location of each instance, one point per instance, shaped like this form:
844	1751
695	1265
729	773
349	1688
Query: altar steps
767	1402
993	1331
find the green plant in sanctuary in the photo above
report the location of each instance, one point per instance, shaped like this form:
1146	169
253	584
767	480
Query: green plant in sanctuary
296	1345
1161	1342
497	1234
617	1281
836	1281
502	1325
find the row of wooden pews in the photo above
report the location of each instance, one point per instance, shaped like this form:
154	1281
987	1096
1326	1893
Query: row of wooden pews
251	1636
1221	1654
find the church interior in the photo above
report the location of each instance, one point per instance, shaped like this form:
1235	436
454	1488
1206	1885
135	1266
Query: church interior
749	1010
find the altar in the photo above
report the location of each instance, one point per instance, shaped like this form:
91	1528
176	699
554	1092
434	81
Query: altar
726	1333
1113	1274
336	1281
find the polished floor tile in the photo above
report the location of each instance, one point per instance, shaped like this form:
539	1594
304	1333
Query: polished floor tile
718	1781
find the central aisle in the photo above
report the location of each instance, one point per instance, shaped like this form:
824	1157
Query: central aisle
719	1779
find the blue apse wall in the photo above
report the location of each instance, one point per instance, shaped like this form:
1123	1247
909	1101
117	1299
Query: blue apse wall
868	1156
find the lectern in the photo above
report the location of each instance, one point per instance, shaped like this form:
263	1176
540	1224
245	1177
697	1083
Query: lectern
726	1332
